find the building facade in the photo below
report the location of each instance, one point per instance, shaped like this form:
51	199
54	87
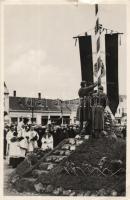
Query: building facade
41	110
38	110
73	106
6	106
6	99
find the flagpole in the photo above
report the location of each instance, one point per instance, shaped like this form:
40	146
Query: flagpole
98	44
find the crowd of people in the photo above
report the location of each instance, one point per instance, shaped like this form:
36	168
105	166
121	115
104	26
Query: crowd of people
21	139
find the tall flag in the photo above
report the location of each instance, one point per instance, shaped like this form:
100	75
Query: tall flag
98	66
85	48
97	36
111	50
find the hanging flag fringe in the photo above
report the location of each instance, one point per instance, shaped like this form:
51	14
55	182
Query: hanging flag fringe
120	40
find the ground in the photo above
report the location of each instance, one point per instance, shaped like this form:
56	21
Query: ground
90	152
8	190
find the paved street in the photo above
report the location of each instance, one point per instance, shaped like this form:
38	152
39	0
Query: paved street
7	187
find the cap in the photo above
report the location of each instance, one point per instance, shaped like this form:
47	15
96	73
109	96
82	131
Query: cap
100	87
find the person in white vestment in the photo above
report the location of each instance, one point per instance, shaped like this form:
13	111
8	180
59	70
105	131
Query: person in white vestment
47	141
20	124
32	138
23	144
15	153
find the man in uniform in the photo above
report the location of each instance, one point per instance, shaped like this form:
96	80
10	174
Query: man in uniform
99	102
84	109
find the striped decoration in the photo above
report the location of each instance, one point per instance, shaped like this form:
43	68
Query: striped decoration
98	65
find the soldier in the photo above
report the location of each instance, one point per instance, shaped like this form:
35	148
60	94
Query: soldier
84	110
99	102
80	108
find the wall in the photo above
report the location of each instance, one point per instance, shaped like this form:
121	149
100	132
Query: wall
37	115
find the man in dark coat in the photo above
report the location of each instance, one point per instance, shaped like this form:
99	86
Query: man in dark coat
86	89
99	102
124	132
84	109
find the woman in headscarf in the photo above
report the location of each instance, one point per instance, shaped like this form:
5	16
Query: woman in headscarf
47	141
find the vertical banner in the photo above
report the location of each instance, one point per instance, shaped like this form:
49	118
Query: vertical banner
111	48
85	48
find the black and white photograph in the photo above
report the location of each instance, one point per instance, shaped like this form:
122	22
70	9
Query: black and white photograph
65	99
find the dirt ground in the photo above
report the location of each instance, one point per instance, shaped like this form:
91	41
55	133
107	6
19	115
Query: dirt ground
91	152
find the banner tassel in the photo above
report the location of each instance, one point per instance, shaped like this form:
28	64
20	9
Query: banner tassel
75	41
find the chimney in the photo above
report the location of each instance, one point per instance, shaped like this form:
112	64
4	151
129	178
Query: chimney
39	95
14	93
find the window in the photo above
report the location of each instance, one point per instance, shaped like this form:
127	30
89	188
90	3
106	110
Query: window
119	121
44	120
14	120
121	99
66	119
75	119
33	120
122	110
54	119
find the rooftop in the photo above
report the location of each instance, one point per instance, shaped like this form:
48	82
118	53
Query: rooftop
26	104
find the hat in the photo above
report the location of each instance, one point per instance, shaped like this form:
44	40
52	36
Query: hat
83	83
100	87
12	126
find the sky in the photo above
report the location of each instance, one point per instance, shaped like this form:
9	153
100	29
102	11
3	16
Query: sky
39	50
